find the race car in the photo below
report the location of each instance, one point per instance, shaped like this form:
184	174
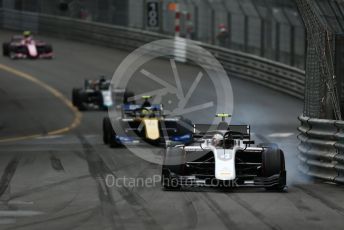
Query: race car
25	46
96	95
145	123
222	156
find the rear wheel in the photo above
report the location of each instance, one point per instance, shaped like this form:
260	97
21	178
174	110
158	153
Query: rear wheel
273	163
5	49
172	168
128	97
105	131
77	99
48	48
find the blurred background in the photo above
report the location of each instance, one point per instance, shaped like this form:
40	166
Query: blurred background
267	28
286	66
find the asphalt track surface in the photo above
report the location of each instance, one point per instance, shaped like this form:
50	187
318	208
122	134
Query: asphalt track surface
59	181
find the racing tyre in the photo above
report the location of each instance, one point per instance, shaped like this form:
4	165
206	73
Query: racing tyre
48	48
77	99
109	134
172	168
273	163
5	49
106	137
127	96
74	97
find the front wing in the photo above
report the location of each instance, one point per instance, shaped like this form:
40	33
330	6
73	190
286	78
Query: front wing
211	181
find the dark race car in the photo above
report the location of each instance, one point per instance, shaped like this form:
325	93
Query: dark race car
145	123
222	156
24	46
96	95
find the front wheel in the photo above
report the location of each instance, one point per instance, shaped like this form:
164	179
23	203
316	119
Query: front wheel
172	168
273	163
5	49
109	134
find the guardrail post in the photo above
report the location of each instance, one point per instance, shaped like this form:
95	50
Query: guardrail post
213	26
246	31
196	21
292	45
277	41
262	37
144	14
1	18
8	4
229	30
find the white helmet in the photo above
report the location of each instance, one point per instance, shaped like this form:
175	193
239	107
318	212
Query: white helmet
217	140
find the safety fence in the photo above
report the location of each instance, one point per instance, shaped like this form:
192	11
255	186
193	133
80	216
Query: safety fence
263	71
322	148
323	21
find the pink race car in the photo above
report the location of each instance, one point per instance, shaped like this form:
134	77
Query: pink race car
24	46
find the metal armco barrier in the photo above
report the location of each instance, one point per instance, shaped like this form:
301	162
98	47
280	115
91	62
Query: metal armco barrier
269	73
322	148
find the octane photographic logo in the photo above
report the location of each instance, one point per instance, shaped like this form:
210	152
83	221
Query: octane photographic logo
195	96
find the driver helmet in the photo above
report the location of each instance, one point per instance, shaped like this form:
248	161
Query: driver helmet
217	140
145	112
146	103
27	34
94	84
102	79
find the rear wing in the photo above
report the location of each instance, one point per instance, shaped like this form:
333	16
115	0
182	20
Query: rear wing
17	38
133	107
129	110
202	129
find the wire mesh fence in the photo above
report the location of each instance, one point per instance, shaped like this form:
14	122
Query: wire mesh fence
323	21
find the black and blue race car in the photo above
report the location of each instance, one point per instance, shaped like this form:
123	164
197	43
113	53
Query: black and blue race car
96	95
145	123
